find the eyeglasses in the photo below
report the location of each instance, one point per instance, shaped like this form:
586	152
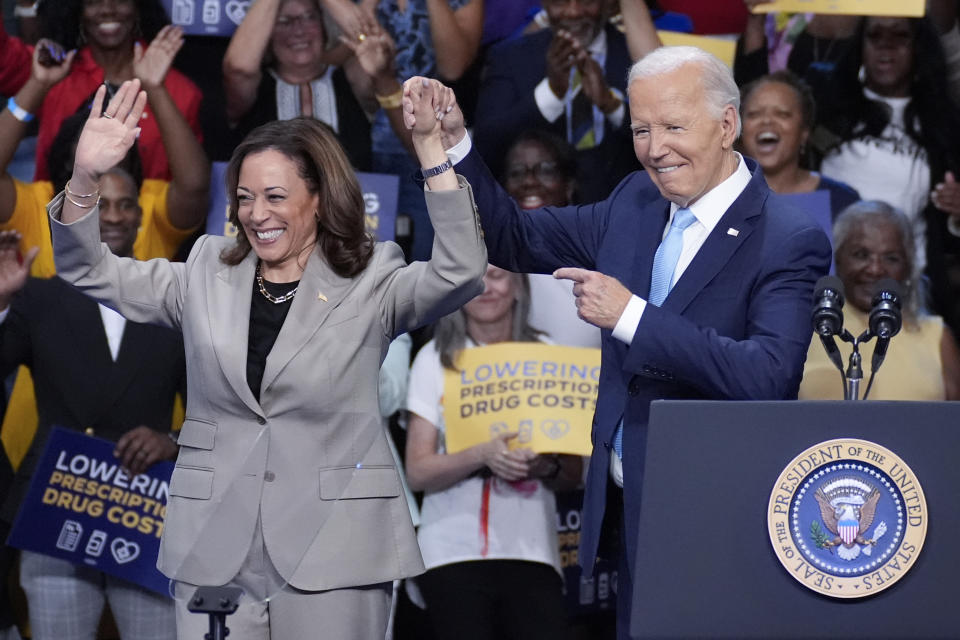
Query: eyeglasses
546	172
308	20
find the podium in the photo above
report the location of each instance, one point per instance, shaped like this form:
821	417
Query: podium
705	564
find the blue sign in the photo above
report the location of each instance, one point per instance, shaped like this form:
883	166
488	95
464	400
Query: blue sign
83	508
583	595
380	192
207	17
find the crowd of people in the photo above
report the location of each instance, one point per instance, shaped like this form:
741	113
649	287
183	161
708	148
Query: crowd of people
517	116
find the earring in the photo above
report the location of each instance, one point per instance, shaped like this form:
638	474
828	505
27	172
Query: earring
862	75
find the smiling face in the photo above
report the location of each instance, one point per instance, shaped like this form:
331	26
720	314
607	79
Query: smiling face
119	212
773	127
496	303
109	24
277	212
871	253
298	37
582	18
684	146
533	177
888	56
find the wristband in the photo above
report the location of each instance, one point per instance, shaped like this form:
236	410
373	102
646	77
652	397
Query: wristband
437	170
391	101
18	112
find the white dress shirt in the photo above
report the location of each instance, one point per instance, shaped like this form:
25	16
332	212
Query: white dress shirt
708	209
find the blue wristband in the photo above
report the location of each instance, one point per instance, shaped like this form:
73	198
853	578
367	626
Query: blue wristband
18	112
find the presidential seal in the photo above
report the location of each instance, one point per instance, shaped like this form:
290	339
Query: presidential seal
847	518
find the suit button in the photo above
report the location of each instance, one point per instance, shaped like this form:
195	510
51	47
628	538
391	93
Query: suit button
269	476
261	420
634	387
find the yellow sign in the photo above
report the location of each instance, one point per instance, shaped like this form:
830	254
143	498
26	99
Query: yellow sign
546	394
847	518
898	8
723	48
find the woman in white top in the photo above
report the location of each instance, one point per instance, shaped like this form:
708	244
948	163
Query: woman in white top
894	136
488	522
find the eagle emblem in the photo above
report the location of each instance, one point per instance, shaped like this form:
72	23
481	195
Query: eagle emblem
847	507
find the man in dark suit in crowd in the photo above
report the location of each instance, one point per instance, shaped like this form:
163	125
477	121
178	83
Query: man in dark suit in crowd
568	79
700	282
95	372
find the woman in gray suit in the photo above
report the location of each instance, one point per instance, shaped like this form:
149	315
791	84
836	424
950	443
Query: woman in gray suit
284	484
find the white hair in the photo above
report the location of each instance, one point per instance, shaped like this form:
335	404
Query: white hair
718	83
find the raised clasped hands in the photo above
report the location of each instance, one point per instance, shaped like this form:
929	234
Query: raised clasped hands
106	139
430	107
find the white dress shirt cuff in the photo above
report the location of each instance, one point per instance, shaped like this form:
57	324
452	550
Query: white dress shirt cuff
551	107
459	151
629	320
4	314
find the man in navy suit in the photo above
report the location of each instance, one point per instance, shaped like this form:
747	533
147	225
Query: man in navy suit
568	79
701	283
95	372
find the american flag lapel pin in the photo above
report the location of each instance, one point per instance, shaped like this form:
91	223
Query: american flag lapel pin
320	296
733	232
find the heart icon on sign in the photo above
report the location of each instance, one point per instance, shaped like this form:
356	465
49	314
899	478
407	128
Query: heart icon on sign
236	10
555	429
124	550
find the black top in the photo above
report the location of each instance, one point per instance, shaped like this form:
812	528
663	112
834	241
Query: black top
266	318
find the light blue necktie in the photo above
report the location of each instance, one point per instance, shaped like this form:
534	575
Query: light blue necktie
661	280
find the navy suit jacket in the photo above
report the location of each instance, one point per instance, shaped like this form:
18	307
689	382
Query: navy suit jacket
506	108
735	326
57	332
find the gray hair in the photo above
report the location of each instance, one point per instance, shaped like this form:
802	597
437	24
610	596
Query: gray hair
873	212
718	83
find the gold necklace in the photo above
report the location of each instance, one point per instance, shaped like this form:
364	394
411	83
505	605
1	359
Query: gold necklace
272	298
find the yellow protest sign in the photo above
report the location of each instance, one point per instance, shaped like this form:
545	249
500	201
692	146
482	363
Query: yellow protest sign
904	8
544	393
723	48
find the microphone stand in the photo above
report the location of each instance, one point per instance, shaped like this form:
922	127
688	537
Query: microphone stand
854	374
218	603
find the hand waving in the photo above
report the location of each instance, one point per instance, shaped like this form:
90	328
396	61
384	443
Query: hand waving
151	66
106	139
13	270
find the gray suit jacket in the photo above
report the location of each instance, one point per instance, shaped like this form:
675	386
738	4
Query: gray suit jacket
311	459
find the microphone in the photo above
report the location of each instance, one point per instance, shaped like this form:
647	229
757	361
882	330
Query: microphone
827	314
885	317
